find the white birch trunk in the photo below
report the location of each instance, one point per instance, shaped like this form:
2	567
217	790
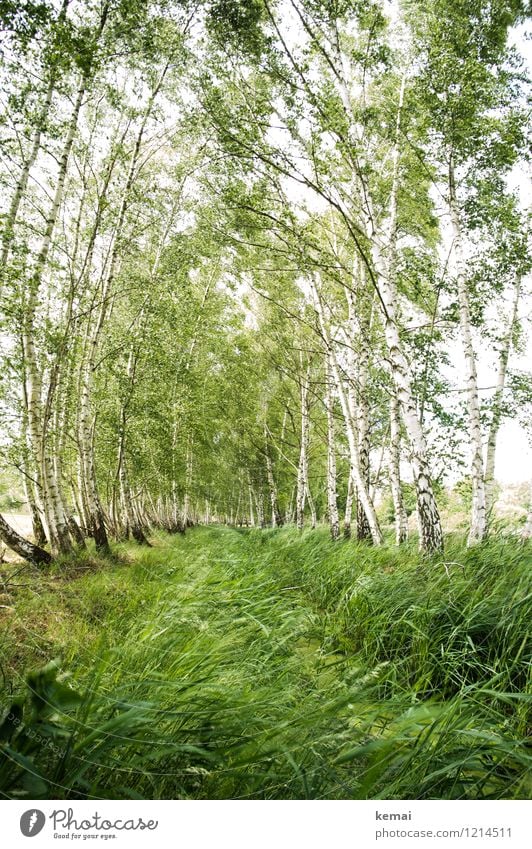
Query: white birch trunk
131	517
359	328
431	535
478	526
38	531
21	546
52	488
251	511
332	504
356	473
289	514
188	483
259	501
400	517
312	508
95	516
348	507
277	519
302	469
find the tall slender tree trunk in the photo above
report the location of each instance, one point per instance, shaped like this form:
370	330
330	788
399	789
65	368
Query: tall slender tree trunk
39	534
57	520
289	513
250	500
478	526
52	488
30	480
277	518
363	528
188	484
132	518
259	501
312	509
32	397
354	454
302	469
332	503
360	322
348	507
400	517
431	535
95	514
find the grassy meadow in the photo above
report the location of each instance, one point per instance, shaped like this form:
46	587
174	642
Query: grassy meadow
269	665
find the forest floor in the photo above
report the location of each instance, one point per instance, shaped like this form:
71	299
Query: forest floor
266	664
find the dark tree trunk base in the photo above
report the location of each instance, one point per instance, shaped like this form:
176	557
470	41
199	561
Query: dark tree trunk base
23	547
99	534
138	535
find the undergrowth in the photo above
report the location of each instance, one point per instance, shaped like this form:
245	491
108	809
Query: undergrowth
269	665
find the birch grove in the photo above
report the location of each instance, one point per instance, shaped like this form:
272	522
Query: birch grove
261	268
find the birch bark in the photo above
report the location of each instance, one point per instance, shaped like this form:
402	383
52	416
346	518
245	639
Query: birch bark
302	469
359	363
60	534
400	517
478	526
96	514
356	472
57	519
277	518
431	535
23	547
348	507
332	504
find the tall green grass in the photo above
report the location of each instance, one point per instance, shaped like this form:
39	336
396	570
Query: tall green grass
272	665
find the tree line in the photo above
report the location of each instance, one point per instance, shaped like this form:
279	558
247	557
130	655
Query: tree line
239	242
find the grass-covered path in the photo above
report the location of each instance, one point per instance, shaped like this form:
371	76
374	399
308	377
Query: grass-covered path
229	664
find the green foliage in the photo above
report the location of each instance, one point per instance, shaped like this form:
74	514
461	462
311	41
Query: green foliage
409	502
11	496
272	665
464	490
160	330
238	22
24	19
